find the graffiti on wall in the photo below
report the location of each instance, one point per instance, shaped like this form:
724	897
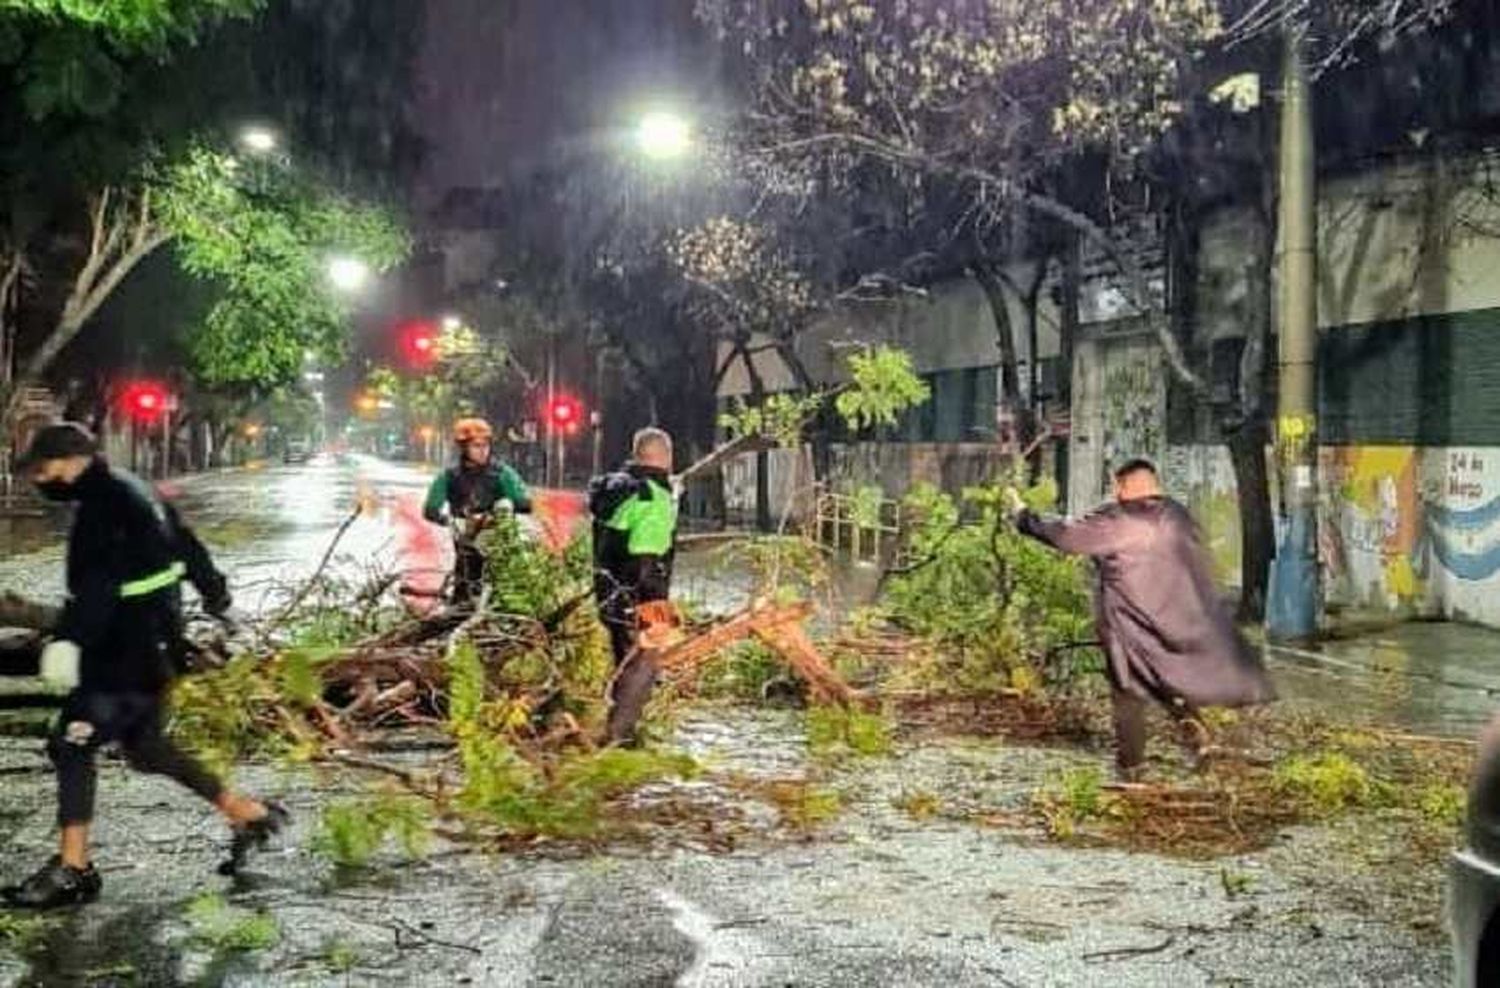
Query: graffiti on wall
1133	400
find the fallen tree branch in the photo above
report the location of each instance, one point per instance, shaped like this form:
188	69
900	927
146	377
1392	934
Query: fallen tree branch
317	574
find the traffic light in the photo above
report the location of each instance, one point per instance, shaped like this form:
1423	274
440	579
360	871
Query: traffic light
565	413
145	401
419	344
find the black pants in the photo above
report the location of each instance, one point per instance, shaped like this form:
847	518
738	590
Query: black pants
90	720
468	572
1130	728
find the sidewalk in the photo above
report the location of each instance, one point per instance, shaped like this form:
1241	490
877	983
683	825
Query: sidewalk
1426	676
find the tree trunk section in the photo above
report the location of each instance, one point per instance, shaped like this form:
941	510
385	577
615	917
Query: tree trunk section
1010	375
1247	452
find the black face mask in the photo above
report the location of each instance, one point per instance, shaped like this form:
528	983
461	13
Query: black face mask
56	490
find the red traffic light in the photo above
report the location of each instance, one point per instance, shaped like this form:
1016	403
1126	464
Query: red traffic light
565	412
419	343
145	400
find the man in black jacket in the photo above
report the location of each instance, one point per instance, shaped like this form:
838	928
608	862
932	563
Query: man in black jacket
635	529
117	648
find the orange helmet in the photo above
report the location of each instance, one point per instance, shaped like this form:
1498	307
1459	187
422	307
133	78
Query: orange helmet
470	430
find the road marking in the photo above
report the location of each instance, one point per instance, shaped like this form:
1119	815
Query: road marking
713	947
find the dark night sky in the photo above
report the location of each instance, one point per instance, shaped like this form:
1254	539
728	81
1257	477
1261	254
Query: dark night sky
503	83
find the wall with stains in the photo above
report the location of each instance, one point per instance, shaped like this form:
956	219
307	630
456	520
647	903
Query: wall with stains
1119	412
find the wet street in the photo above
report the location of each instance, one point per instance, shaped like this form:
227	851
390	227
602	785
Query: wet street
270	528
875	898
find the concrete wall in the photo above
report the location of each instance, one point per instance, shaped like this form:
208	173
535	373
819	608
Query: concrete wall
893	467
1119	411
1405	529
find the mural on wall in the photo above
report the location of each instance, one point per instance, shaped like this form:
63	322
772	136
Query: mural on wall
1464	526
1413	529
1133	406
1369	527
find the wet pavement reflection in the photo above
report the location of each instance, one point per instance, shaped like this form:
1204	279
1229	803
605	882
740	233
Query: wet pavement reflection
271	527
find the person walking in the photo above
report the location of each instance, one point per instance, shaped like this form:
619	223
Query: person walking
117	648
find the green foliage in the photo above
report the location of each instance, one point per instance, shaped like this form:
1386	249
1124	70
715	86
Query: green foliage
864	506
885	384
1001	606
741	672
352	833
68	56
567	799
1236	883
525	579
834	729
297	677
524	797
783	567
24	933
805	807
222	928
1443	804
1325	783
263	235
779	417
1074	799
466	689
340	956
214	713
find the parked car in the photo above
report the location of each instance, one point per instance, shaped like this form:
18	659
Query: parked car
297	451
1474	875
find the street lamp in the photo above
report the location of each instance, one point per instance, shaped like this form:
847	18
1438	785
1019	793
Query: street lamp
663	135
452	323
258	140
348	274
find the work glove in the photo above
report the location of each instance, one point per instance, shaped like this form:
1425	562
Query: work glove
61	662
1014	504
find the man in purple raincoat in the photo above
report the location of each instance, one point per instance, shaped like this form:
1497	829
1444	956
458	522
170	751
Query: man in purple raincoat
1166	632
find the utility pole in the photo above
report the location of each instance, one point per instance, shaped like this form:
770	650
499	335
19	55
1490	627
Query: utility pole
1295	600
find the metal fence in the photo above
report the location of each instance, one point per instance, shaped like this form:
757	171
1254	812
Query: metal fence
869	530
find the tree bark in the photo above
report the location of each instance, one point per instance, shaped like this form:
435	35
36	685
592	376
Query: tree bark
1247	452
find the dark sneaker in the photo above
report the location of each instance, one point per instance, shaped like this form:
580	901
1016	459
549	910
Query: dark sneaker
254	836
55	885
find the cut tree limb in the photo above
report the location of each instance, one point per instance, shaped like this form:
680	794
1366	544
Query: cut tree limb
780	628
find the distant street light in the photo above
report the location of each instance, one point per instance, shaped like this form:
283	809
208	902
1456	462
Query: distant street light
348	274
452	323
663	135
258	140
